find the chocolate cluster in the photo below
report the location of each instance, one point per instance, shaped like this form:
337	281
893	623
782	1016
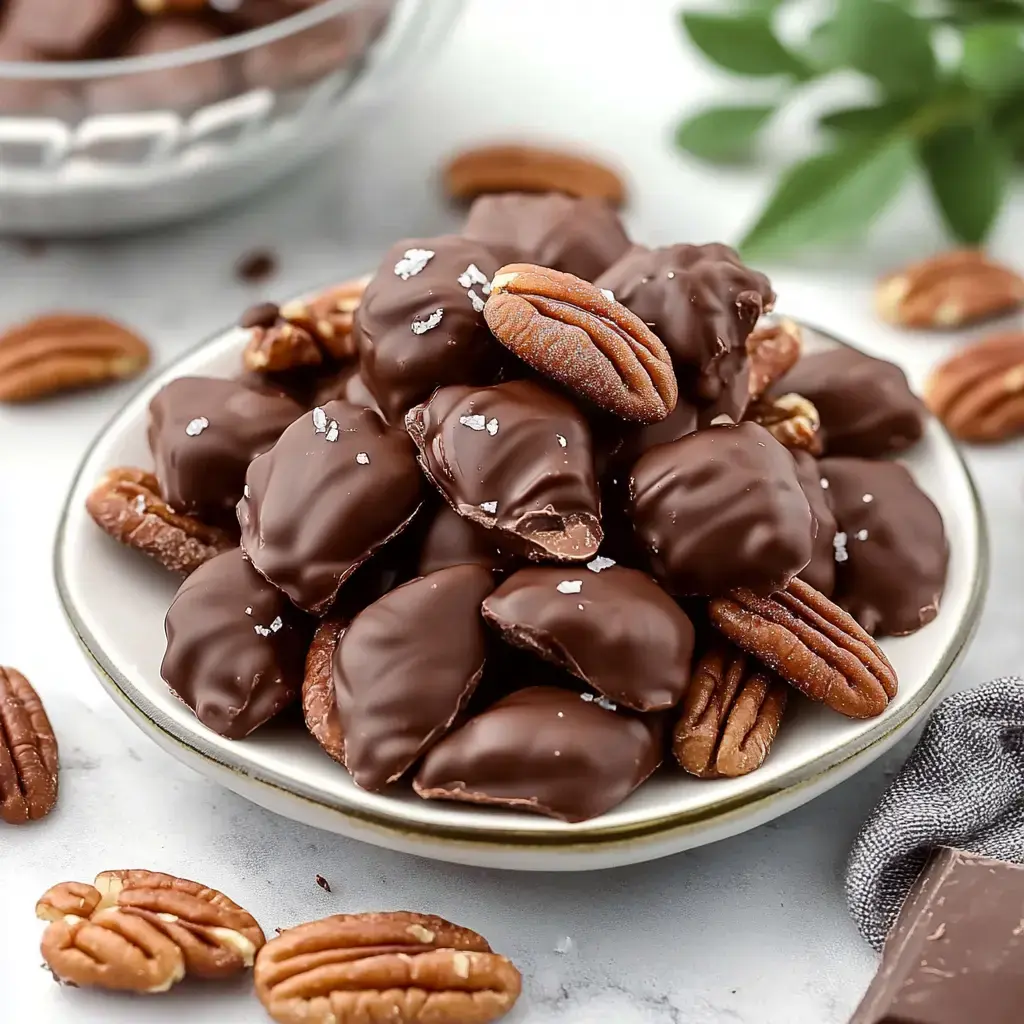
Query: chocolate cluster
515	587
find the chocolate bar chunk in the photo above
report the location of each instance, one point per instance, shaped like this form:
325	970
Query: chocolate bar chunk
956	952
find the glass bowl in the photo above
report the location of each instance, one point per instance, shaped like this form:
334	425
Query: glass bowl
98	147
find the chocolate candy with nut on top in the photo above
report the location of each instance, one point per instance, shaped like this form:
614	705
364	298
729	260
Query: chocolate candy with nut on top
612	627
404	669
421	325
514	458
865	405
891	551
204	432
720	509
338	485
820	571
701	301
579	236
235	646
544	750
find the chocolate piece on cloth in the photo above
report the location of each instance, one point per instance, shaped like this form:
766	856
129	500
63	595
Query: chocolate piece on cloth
891	551
612	627
701	301
204	432
865	405
516	458
578	236
421	324
404	669
956	951
544	750
338	485
235	646
720	509
820	571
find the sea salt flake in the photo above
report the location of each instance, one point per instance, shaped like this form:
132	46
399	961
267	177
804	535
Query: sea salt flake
570	586
413	262
319	421
245	491
276	624
868	498
140	504
489	506
261	630
564	945
197	426
839	547
474	275
601	702
824	484
362	458
608	294
248	611
332	431
861	535
580	607
671	274
492	426
561	441
474	422
600	563
478	303
422	326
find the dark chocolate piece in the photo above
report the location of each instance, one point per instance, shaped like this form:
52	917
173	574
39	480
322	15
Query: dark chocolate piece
732	402
612	627
544	750
891	547
633	440
956	952
722	509
256	266
204	432
404	669
421	325
578	236
235	646
701	301
865	404
451	539
515	457
820	571
337	486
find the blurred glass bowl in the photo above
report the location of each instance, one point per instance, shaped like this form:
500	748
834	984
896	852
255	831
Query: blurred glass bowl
97	147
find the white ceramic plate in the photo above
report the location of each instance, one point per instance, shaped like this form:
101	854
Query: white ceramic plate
115	601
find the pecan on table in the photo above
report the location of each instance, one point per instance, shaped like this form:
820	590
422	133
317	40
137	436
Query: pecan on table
572	332
812	644
127	504
28	752
791	419
773	348
730	715
398	967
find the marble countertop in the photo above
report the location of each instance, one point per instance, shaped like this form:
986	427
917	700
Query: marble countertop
751	930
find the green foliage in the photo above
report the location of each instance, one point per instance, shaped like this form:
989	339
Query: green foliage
957	123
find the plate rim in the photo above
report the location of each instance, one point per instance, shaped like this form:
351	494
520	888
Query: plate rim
136	705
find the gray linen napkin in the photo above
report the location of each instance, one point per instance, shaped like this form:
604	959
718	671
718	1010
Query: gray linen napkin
962	786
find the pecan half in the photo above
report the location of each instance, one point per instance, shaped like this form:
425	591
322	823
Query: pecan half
791	419
812	644
949	290
64	351
150	930
319	703
400	967
517	168
28	752
730	715
773	348
572	332
127	504
979	392
328	316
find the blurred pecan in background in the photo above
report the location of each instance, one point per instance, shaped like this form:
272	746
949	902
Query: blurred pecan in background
28	752
791	419
949	290
773	347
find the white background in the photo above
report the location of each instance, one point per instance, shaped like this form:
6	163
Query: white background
753	929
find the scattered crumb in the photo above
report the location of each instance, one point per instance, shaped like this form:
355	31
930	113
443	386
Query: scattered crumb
323	883
256	266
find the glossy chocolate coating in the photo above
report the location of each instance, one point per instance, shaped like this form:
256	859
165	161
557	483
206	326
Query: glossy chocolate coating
634	440
579	236
544	750
701	301
956	951
516	457
451	539
721	509
893	554
406	348
62	29
612	627
865	404
820	571
732	400
337	485
204	432
235	646
405	668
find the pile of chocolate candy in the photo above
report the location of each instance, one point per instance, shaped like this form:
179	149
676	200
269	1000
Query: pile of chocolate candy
530	508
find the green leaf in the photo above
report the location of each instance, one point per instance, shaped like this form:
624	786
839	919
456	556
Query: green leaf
832	197
869	122
968	170
742	43
723	134
993	57
886	42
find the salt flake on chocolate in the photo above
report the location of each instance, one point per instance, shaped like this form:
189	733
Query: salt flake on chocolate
362	458
319	421
601	702
868	498
474	275
413	262
492	426
861	535
600	563
197	426
477	302
839	547
474	422
261	630
570	586
561	441
422	326
332	431
277	624
489	506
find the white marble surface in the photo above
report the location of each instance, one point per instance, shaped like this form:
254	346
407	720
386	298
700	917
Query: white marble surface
751	930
